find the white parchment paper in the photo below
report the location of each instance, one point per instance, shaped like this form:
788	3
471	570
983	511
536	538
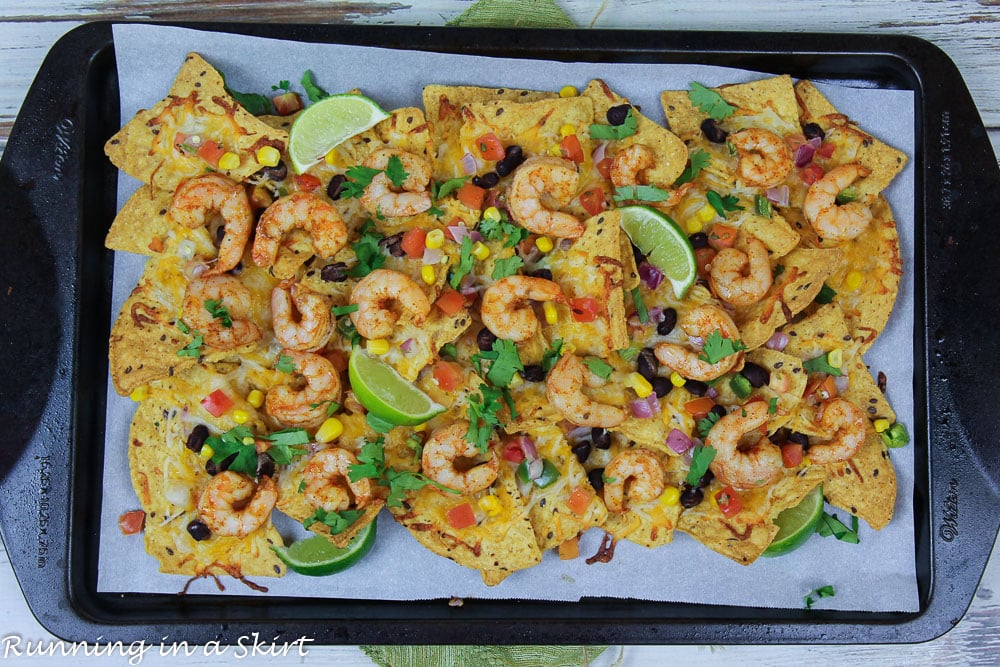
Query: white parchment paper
876	575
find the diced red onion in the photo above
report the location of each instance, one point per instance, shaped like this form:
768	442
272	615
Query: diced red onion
195	268
598	153
650	275
712	393
471	290
696	342
432	255
458	232
778	195
579	433
640	408
535	468
804	155
469	165
407	345
527	446
678	441
656	315
778	341
842	382
654	403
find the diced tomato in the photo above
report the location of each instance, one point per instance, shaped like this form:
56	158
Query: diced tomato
490	147
448	375
604	168
699	407
585	309
471	195
823	388
132	522
455	222
217	403
570	549
579	501
461	516
703	257
156	245
571	149
826	150
413	243
450	302
512	451
791	454
179	139
287	103
729	502
210	152
722	236
306	182
593	200
811	174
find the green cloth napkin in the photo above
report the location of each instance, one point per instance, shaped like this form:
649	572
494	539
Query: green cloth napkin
494	14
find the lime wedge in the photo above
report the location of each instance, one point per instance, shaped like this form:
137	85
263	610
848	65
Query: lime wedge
317	556
386	394
663	243
797	524
327	123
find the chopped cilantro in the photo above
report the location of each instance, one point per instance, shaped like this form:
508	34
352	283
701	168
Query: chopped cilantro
395	172
449	351
608	480
598	367
313	92
772	405
740	386
640	306
378	424
705	425
722	204
639	193
717	347
821	592
629	353
255	104
331	407
302	486
826	295
701	457
192	349
344	310
504	362
219	312
482	410
778	270
507	267
284	364
821	364
231	443
282	85
286	444
710	102
417	446
615	132
552	354
829	525
441	189
762	206
183	328
368	251
346	328
358	178
465	263
502	230
697	161
435	211
372	465
337	522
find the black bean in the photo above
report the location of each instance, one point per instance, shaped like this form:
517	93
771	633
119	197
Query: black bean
798	438
196	439
334	273
661	386
220	234
780	436
276	173
596	478
719	410
211	468
486	181
713	132
699	240
336	186
706	479
696	387
514	154
485	339
393	245
504	167
533	373
756	375
265	465
617	114
691	497
582	450
668	323
541	273
214	469
600	437
647	364
812	131
236	270
199	531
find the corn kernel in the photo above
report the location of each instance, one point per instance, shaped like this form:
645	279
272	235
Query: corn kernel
806	461
568	91
694	225
706	213
229	160
555	150
139	394
427	274
420	428
331	157
676	379
377	346
544	244
639	384
256	398
492	213
490	505
241	416
835	358
670	496
515	382
567	130
268	156
480	251
551	314
206	452
715	501
248	440
881	425
330	430
434	239
853	280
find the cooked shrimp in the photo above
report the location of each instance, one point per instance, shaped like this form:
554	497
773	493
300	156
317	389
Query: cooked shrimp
451	460
741	276
847	422
629	163
299	210
832	222
201	196
700	322
564	389
328	484
541	185
765	159
377	293
742	466
383	197
305	407
314	325
233	506
504	311
233	299
635	474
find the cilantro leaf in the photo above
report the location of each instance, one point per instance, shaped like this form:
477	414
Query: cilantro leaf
504	362
337	522
628	353
705	425
502	230
762	206
717	347
286	445
371	461
697	161
284	364
465	263
826	295
507	267
183	328
358	178
701	457
722	204
614	132
435	211
821	592
255	104
337	311
640	305
441	189
831	525
372	466
346	328
416	444
231	443
552	354
482	411
192	349
710	102
282	85
378	424
395	172
821	364
639	193
219	312
598	367
331	407
313	92
368	251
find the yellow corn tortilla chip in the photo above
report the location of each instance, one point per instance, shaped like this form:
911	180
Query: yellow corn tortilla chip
773	232
865	484
767	103
144	148
141	225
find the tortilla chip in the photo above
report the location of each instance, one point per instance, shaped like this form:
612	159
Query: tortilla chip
534	126
141	225
863	391
772	99
773	232
865	484
407	130
425	341
145	149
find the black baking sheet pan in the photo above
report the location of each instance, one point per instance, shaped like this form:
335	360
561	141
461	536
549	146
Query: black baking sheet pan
58	194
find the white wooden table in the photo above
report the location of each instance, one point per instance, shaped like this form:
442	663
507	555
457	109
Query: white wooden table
968	30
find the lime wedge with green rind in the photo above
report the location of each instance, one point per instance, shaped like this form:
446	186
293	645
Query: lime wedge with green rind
797	524
386	394
663	243
317	556
327	123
